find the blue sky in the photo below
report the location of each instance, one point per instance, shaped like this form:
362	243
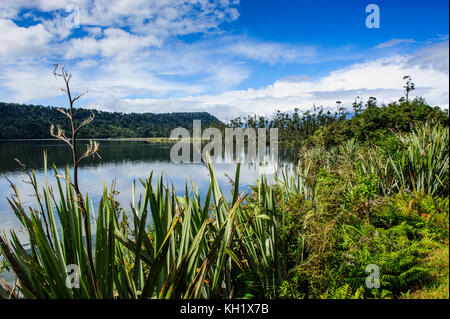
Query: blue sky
227	57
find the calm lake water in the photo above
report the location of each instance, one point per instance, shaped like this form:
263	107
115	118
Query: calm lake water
123	161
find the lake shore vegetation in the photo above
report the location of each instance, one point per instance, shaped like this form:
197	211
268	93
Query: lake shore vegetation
369	192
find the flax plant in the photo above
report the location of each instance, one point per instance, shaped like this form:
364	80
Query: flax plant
188	249
41	270
424	164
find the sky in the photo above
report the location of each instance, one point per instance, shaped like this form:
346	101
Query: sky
226	57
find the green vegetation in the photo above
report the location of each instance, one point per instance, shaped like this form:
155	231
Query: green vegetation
28	121
371	198
357	214
306	235
374	124
3	265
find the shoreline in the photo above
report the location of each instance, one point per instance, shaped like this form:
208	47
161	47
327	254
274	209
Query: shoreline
165	140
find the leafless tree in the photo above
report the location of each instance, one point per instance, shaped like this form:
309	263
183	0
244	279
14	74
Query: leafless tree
92	150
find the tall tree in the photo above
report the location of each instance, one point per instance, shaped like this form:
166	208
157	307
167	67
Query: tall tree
409	86
357	105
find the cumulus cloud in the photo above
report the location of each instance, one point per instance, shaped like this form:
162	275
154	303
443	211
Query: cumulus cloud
22	41
127	26
125	87
25	81
114	43
118	46
164	17
167	17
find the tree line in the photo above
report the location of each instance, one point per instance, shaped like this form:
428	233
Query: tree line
365	121
20	121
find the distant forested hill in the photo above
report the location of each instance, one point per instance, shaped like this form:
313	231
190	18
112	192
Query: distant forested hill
29	121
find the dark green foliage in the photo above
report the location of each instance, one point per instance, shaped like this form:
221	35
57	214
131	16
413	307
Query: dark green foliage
398	251
293	127
247	287
27	121
345	221
425	213
375	123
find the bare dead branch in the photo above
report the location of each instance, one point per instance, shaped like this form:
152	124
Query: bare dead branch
85	122
64	112
55	70
79	96
91	150
60	135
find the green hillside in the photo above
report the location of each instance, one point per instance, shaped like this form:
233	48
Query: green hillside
29	121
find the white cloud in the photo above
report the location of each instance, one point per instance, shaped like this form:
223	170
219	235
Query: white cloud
393	42
434	56
20	41
381	78
24	82
125	87
147	23
141	16
115	43
115	62
269	52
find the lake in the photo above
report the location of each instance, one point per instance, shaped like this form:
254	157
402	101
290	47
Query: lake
122	160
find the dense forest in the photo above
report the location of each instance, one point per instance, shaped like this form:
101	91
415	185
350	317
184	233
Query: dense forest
367	121
27	121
